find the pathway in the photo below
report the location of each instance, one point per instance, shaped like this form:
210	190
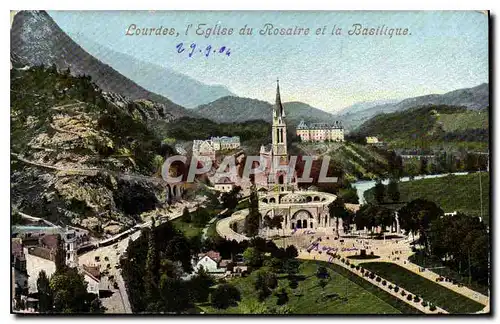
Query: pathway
418	305
382	248
205	229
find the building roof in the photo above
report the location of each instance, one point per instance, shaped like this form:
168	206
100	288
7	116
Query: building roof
212	255
92	271
224	263
302	125
278	106
50	241
224	180
17	248
336	125
293	198
225	138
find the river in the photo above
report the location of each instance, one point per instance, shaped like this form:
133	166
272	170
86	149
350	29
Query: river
364	185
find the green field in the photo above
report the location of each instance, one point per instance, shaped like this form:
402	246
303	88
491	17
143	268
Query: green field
452	193
427	289
464	120
192	228
189	229
362	296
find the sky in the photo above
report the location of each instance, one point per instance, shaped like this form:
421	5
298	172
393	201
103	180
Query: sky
443	51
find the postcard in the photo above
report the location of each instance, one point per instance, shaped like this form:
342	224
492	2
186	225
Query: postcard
250	162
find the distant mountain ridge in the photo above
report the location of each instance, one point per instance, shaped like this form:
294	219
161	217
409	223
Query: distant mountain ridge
178	87
237	109
37	40
474	98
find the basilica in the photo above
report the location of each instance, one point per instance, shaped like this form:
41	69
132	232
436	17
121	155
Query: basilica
278	174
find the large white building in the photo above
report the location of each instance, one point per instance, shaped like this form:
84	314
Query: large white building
320	132
215	144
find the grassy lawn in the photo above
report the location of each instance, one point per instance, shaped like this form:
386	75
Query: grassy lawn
459	192
427	289
196	228
189	229
306	299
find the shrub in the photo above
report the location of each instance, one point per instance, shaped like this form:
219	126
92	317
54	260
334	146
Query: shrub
424	303
342	260
352	266
362	270
372	275
384	282
432	307
367	274
347	262
416	299
358	267
378	279
224	295
396	289
390	286
403	293
409	297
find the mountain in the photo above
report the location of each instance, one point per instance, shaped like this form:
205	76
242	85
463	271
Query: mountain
438	124
80	156
364	105
472	98
236	109
37	40
178	87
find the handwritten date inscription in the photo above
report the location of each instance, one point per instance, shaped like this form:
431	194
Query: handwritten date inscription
206	51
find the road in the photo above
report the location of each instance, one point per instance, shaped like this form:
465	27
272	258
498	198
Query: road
109	258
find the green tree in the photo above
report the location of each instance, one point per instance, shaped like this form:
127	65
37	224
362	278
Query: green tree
175	296
70	292
291	267
252	257
230	199
322	272
417	215
152	266
338	211
96	306
252	220
264	283
45	303
200	286
186	216
424	166
393	190
282	295
224	295
60	257
379	192
291	252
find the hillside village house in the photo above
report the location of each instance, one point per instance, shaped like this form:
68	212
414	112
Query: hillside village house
214	265
371	140
224	184
33	252
320	132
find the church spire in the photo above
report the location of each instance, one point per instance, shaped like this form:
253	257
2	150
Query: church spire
278	107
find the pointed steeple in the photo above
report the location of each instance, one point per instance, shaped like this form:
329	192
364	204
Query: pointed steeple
278	107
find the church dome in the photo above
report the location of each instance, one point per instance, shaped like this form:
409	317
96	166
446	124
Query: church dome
293	198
